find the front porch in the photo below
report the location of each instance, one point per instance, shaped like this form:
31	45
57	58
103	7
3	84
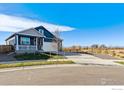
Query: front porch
27	47
25	43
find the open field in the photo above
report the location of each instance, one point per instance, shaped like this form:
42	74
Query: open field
120	62
115	52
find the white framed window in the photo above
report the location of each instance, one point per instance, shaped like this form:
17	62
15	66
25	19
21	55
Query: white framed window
25	40
41	31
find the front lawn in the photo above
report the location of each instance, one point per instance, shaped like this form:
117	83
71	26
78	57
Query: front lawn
37	56
21	64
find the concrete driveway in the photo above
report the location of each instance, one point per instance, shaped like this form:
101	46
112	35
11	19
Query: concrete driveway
87	59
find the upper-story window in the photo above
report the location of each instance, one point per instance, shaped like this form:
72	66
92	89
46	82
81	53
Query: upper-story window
41	31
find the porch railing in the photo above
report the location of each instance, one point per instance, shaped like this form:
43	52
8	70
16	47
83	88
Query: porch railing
27	47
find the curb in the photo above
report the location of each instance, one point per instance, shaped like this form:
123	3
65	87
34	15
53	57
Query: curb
37	67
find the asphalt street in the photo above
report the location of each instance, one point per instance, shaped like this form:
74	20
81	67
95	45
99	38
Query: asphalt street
64	75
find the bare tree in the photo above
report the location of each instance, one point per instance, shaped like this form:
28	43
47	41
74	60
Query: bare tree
57	34
56	40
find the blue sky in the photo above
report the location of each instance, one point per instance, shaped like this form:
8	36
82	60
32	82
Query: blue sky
84	24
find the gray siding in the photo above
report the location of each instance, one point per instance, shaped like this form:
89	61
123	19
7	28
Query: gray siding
31	32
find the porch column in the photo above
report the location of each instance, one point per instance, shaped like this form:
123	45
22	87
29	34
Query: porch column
6	43
43	40
36	43
17	43
43	43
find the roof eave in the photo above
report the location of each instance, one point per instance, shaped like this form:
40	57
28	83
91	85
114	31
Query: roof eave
29	35
10	36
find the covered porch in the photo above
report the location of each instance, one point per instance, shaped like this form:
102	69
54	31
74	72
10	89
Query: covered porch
28	43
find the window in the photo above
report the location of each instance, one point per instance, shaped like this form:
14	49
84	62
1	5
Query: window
48	40
25	40
41	31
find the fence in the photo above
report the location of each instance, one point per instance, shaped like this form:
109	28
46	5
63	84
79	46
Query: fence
6	48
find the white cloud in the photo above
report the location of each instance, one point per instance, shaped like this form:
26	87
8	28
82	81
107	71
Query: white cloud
14	24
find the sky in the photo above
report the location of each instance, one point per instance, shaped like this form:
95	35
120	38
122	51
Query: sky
80	24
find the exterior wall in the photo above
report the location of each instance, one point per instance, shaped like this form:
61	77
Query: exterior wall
11	41
60	46
50	46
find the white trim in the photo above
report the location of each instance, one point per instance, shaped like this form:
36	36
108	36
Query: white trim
36	43
17	45
42	39
28	35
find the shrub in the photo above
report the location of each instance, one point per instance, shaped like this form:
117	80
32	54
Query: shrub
32	56
36	56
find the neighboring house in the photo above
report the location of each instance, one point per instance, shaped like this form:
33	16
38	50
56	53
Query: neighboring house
33	40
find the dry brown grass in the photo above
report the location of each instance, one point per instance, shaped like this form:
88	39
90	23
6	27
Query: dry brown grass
116	52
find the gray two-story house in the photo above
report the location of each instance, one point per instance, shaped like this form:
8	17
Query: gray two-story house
34	39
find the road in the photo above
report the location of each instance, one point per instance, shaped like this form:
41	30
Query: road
64	75
88	70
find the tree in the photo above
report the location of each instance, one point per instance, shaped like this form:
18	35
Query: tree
57	42
57	38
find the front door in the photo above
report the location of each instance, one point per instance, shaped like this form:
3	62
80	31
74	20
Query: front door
40	43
